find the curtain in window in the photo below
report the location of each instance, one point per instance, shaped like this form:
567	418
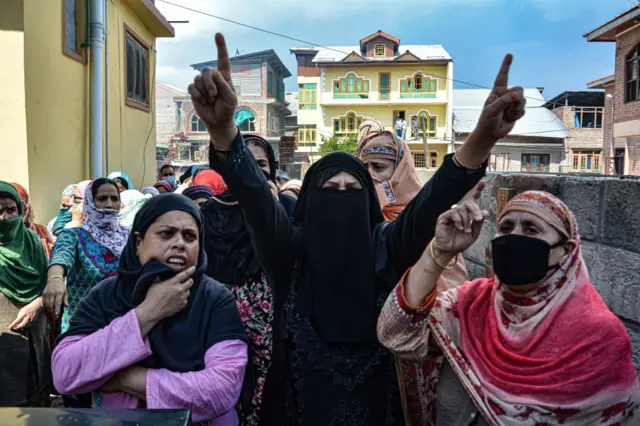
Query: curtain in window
241	116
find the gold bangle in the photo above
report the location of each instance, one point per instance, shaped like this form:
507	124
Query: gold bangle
433	256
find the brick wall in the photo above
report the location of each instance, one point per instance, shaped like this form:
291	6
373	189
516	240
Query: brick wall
609	223
578	138
631	110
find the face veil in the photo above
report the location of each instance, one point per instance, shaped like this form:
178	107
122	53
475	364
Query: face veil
337	291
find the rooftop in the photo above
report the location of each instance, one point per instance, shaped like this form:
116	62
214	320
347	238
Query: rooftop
333	54
602	82
613	27
584	98
537	122
269	55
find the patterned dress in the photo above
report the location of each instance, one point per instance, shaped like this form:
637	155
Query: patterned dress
86	263
254	301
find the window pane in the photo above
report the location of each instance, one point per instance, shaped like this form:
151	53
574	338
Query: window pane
70	22
352	81
366	87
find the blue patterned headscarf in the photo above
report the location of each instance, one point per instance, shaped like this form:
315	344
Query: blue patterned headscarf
103	224
123	176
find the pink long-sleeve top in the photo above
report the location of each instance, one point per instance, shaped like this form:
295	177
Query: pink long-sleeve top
85	363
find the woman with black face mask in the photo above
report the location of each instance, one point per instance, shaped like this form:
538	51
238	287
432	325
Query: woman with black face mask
535	345
332	266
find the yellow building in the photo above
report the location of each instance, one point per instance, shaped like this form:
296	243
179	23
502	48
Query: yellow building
45	81
340	86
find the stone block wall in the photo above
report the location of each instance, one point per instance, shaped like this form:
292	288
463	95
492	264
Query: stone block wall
608	214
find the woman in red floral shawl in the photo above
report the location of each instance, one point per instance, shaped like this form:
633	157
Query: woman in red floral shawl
47	240
534	346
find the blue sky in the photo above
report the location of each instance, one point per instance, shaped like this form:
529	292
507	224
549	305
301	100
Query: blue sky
545	36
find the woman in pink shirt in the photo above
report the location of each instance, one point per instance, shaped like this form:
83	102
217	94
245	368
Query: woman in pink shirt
161	334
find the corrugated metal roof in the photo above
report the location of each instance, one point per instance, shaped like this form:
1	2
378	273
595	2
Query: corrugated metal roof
537	121
338	53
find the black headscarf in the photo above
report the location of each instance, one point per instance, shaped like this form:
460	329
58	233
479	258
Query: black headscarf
271	155
178	343
338	291
232	258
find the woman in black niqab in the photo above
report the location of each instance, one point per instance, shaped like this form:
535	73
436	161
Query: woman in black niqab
339	270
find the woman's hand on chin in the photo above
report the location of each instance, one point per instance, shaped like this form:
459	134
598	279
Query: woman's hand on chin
164	299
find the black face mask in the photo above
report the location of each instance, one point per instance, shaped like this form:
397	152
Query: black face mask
519	260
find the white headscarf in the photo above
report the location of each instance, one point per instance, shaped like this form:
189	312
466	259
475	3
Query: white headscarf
132	201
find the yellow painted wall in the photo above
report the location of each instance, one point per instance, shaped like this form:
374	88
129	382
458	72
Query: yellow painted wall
56	97
44	104
13	119
132	132
440	148
384	114
397	72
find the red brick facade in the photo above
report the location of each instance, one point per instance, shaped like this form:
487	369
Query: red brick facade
631	110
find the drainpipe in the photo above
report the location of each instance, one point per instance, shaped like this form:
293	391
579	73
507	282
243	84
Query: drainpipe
97	78
106	84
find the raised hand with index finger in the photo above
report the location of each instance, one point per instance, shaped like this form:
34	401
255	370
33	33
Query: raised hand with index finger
503	108
215	100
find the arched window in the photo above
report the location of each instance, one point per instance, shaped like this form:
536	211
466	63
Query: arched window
351	87
197	125
430	123
632	87
245	120
349	124
418	86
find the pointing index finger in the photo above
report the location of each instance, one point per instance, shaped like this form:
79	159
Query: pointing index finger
224	64
502	79
477	191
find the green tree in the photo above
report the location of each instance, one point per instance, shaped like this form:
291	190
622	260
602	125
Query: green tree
331	144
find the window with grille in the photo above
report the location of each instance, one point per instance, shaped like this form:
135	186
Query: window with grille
535	162
307	96
587	161
418	86
74	28
307	135
418	159
351	87
632	88
385	85
378	50
346	125
137	70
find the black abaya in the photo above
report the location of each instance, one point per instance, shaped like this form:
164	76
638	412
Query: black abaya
332	381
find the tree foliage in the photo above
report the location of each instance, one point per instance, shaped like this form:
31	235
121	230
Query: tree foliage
347	144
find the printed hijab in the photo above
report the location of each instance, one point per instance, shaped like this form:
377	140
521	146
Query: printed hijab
396	193
23	261
556	355
211	179
338	255
103	225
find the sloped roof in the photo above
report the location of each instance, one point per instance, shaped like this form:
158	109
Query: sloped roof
177	91
333	54
269	55
537	122
380	33
609	30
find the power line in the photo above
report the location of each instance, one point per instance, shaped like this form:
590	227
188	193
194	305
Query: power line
315	44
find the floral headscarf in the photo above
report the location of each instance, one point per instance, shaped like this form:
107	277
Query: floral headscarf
103	224
555	355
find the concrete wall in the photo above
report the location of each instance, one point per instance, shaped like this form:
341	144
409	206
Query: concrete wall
607	212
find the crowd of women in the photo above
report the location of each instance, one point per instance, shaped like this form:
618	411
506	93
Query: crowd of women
340	300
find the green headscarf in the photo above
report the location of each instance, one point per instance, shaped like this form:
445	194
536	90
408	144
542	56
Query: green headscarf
23	261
